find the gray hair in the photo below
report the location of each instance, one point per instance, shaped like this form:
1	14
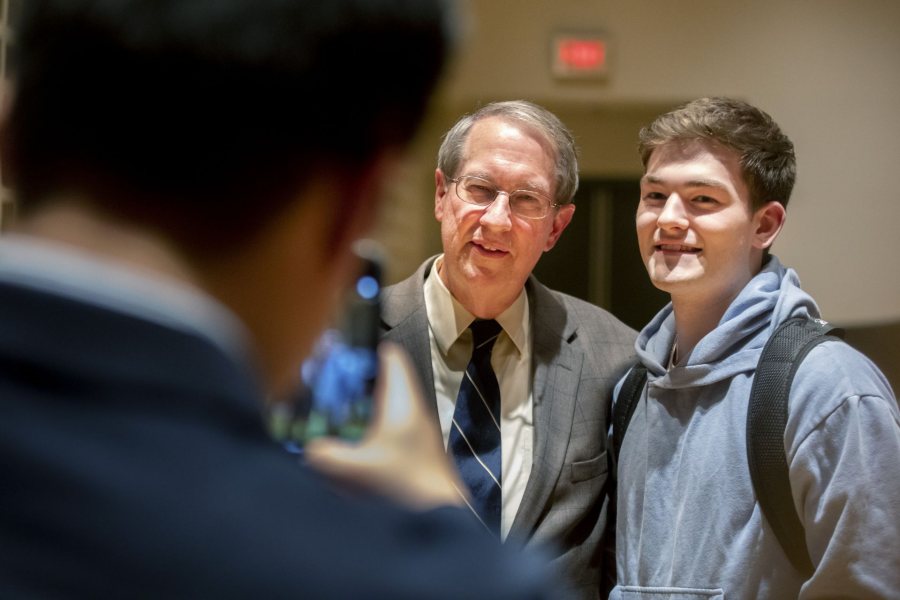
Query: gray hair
537	119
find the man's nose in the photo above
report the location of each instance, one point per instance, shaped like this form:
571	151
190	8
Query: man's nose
673	214
498	213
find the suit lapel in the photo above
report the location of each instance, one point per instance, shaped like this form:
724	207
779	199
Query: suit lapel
406	323
557	371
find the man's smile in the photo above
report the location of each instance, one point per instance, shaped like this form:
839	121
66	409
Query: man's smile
676	249
490	248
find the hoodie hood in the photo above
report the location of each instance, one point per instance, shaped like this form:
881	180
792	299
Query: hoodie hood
734	346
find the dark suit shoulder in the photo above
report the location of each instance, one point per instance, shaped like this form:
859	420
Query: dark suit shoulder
607	342
405	297
585	318
592	316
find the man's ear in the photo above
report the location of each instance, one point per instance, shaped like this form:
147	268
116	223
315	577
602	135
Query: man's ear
561	219
767	223
441	189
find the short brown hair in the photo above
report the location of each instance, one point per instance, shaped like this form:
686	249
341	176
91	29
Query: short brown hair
767	155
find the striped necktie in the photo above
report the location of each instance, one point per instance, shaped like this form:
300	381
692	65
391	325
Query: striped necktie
475	435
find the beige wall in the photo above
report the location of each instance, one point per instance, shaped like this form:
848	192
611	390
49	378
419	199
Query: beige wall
827	70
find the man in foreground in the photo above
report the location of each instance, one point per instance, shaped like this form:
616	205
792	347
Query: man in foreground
718	176
191	177
523	408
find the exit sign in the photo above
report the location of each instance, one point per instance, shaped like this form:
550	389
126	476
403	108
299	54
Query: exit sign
579	56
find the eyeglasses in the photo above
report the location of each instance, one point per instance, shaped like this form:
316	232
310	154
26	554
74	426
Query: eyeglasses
523	203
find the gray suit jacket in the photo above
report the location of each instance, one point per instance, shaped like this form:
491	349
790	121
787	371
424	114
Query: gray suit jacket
579	352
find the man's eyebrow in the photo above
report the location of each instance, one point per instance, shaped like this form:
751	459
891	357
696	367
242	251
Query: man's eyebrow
693	183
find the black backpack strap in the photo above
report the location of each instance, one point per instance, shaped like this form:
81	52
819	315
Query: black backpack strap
626	402
766	419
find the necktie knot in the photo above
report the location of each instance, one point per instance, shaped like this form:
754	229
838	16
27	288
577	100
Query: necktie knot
484	334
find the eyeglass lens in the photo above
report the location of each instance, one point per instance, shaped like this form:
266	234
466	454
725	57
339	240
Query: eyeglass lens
524	203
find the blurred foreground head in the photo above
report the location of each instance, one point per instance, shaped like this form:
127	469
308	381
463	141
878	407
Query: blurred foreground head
201	118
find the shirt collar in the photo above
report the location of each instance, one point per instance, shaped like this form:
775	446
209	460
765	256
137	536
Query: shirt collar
449	319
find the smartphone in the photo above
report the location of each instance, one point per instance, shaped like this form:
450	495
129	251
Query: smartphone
336	382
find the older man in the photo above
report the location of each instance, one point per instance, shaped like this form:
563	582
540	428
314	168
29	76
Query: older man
525	421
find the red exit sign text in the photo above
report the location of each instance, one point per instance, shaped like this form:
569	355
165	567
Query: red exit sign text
579	56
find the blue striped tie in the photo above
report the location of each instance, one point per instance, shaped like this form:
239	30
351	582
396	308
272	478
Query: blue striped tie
475	435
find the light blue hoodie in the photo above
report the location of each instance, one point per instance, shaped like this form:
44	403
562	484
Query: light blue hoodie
688	524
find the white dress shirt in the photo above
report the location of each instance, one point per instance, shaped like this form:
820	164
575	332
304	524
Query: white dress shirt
451	349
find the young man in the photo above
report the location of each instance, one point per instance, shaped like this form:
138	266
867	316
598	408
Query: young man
536	467
191	176
718	175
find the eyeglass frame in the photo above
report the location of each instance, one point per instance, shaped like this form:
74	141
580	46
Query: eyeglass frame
552	204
